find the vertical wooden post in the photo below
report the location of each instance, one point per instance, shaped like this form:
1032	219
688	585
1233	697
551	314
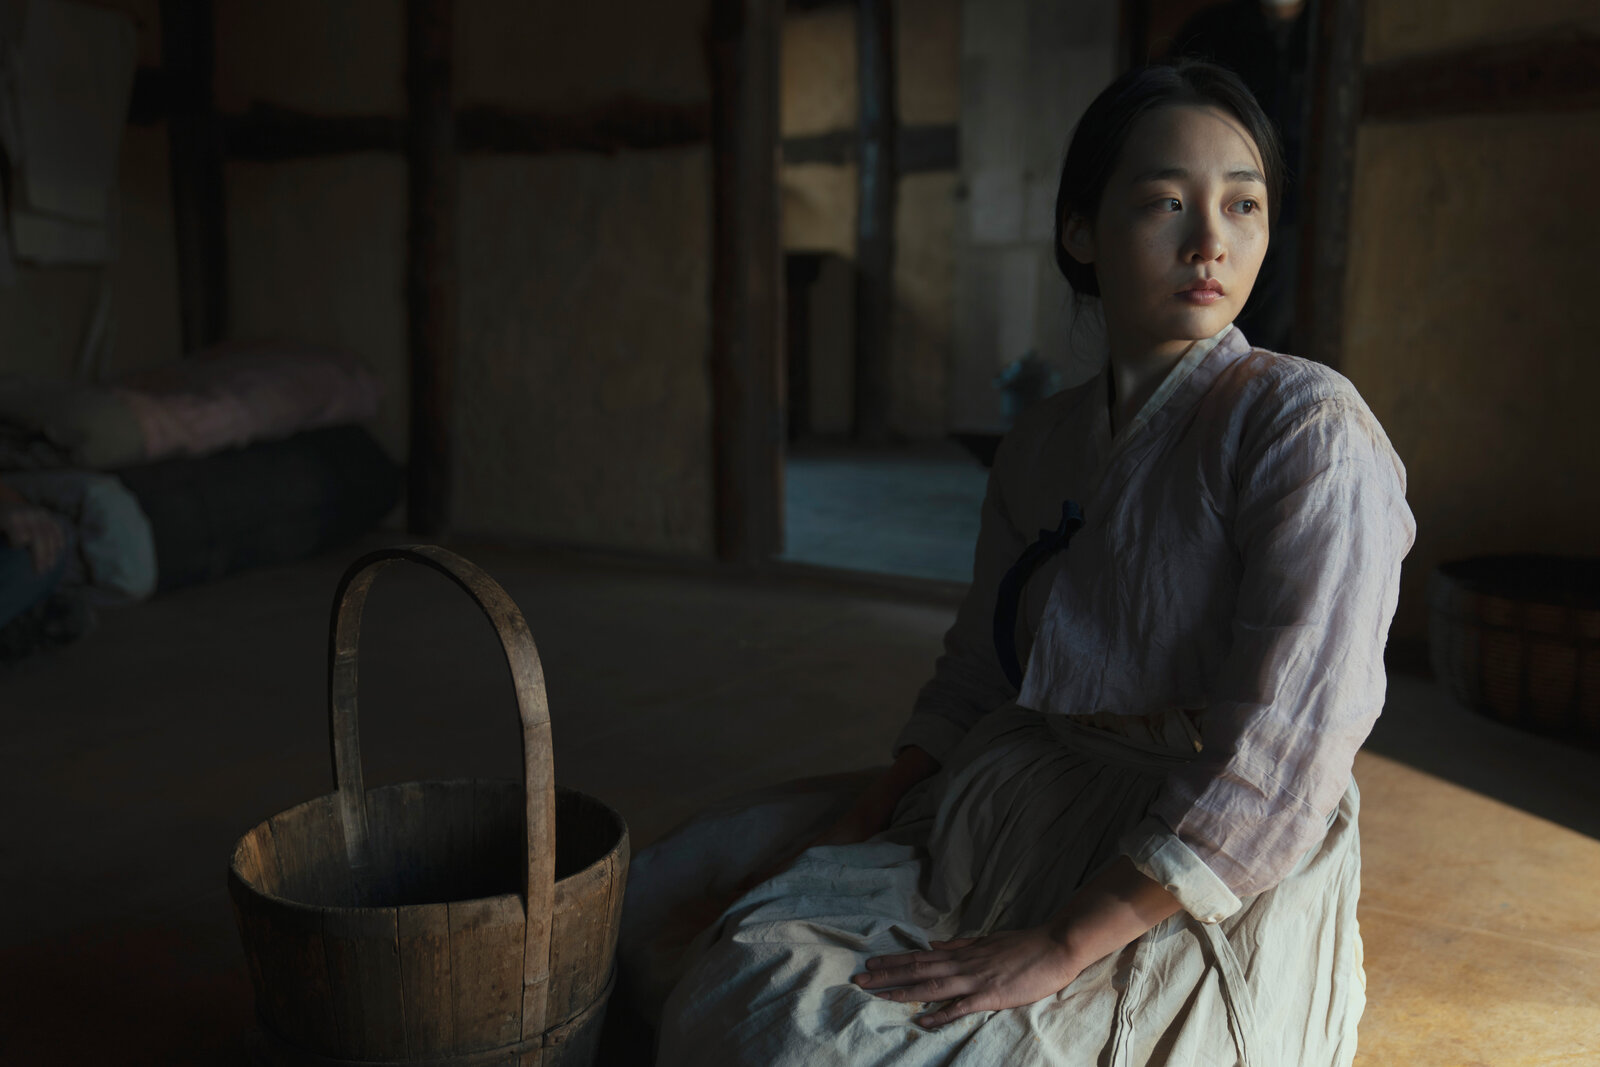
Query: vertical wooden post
879	179
200	224
1330	167
431	277
1133	34
747	281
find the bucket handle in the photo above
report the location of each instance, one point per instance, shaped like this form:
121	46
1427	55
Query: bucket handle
527	676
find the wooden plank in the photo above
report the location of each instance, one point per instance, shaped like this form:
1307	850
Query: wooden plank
486	938
1133	34
268	132
578	965
432	279
294	972
158	96
746	286
1330	161
431	854
362	950
498	833
1555	71
380	886
199	214
620	863
622	124
923	149
408	855
423	933
461	878
539	880
243	898
256	858
875	215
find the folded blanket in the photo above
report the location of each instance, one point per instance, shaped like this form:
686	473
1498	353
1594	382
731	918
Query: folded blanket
115	557
225	397
237	394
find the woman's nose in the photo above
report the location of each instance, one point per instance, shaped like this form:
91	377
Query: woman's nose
1204	241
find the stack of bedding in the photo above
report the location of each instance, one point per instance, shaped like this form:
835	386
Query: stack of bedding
241	456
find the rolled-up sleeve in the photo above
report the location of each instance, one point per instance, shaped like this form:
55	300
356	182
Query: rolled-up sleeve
1321	527
968	681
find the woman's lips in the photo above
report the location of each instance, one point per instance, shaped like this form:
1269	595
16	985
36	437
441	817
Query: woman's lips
1200	296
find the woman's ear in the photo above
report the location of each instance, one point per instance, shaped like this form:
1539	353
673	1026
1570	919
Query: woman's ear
1077	237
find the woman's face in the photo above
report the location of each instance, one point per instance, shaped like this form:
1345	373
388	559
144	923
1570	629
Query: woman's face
1185	207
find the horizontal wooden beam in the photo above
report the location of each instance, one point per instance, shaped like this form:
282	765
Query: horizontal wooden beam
1553	72
266	133
624	124
919	149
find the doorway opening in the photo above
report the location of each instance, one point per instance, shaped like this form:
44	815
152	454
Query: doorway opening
905	247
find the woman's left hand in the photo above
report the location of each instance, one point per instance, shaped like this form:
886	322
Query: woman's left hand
1001	970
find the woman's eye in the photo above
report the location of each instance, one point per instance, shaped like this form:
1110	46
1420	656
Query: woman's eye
1167	203
1248	207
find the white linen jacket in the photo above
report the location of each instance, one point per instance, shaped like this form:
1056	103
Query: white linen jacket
1240	559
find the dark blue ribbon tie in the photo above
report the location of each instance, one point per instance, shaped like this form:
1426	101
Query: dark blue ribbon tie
1009	596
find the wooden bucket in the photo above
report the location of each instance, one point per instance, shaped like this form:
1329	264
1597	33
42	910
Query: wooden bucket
452	922
1517	638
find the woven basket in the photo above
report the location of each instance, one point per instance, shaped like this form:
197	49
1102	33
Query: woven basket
1517	638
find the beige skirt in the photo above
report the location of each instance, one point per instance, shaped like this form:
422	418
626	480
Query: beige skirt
1026	810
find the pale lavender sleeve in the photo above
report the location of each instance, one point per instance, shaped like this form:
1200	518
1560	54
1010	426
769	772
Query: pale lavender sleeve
1321	527
967	681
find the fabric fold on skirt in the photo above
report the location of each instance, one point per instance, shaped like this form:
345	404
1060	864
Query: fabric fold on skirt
1026	809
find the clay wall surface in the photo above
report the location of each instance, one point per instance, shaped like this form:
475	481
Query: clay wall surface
582	407
1471	247
1398	28
317	246
583	389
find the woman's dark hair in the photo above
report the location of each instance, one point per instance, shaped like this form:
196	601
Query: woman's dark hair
1098	138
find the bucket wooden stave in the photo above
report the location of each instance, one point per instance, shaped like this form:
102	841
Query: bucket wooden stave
451	922
1517	638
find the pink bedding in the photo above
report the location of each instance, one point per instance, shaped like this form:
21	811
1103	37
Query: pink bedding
235	394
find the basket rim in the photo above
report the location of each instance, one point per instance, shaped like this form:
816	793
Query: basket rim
621	844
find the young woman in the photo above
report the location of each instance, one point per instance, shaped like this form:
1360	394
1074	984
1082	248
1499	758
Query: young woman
1141	849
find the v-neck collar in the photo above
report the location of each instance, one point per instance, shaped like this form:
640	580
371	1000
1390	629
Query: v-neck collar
1192	357
1121	453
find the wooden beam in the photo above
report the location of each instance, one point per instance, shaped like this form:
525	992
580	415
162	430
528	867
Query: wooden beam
1335	113
431	269
1557	71
918	150
267	132
1133	34
158	96
747	281
878	182
199	210
625	124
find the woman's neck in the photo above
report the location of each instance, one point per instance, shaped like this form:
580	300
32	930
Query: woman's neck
1136	371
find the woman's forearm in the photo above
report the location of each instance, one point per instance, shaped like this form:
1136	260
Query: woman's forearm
1111	910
